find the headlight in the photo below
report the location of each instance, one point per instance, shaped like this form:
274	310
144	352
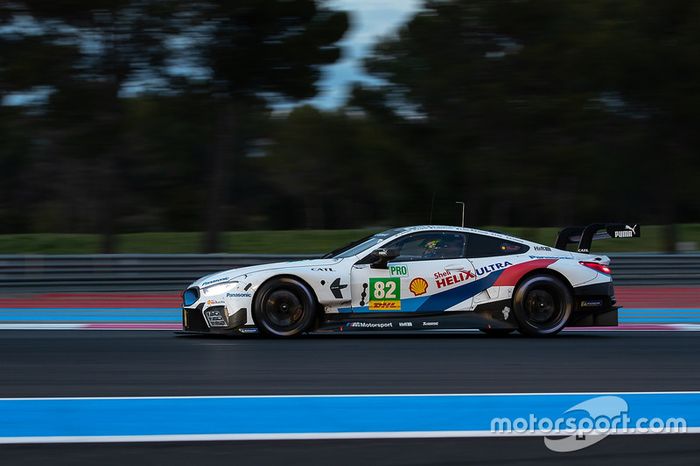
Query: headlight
190	296
219	288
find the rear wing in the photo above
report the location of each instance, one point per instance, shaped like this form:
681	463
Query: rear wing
584	236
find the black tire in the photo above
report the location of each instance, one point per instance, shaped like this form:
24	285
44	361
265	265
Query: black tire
542	304
284	307
497	332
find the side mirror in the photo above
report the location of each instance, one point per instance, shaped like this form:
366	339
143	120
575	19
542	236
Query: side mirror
382	256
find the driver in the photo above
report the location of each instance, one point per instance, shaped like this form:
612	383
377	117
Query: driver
447	246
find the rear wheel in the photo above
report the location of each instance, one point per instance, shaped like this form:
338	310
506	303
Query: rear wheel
542	305
284	307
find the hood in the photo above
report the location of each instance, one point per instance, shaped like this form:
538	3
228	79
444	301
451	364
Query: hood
233	273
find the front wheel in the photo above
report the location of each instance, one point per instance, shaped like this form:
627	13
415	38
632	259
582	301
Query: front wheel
542	305
284	307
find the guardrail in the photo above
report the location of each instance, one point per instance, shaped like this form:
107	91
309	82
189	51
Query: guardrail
162	272
655	269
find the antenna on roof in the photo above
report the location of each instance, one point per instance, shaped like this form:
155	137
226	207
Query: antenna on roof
463	206
432	204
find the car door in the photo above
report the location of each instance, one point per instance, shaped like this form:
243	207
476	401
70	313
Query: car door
491	256
425	277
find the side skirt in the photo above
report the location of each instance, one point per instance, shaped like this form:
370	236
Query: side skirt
494	315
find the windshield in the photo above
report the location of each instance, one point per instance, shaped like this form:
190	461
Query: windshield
357	247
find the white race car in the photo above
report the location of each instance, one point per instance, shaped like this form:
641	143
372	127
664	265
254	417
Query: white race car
417	278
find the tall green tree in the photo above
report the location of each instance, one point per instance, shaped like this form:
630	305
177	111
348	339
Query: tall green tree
339	169
86	54
561	108
260	51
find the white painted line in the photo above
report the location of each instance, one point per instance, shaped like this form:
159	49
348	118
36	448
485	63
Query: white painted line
361	395
297	436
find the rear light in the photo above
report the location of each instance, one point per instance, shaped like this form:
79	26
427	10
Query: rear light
602	268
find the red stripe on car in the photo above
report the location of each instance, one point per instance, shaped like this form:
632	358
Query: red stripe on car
512	274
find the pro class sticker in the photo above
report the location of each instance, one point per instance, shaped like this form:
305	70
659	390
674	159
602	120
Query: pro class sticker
385	294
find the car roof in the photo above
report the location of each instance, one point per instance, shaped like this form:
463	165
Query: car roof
418	228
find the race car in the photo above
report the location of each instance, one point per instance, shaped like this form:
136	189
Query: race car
416	279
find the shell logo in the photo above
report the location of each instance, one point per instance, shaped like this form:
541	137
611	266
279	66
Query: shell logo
418	286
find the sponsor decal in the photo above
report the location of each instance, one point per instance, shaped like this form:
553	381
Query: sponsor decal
370	324
213	302
385	294
248	330
239	295
447	278
542	248
398	270
430	324
337	288
321	269
211	282
418	286
628	232
385	305
363	296
405	324
587	423
506	313
592	303
492	268
549	257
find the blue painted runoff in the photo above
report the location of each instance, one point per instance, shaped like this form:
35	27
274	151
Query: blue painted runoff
311	414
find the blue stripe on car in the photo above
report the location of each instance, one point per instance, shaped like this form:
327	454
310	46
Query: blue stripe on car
439	301
448	298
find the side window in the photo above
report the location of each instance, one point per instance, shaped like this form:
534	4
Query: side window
487	246
430	245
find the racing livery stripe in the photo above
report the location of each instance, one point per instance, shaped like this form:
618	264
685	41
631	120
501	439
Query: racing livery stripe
440	301
511	275
448	298
454	296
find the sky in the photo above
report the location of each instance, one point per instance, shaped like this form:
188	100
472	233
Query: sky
369	21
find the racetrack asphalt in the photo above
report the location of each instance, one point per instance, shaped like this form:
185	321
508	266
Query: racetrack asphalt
142	363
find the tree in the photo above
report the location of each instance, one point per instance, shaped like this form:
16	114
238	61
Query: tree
338	170
559	108
86	53
104	63
260	50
